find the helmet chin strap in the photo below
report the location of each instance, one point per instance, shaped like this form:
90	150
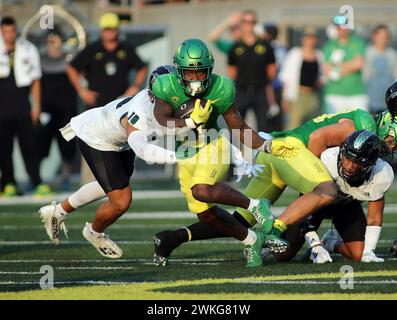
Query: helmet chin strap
195	87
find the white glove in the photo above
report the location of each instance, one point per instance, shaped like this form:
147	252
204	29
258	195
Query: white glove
370	256
274	110
244	168
320	255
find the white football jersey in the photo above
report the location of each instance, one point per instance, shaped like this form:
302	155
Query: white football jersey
101	129
372	189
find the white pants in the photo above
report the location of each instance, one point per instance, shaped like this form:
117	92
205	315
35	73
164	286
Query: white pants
337	104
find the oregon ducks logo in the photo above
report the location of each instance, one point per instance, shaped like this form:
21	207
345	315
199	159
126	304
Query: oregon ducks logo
121	54
239	51
175	100
98	56
260	49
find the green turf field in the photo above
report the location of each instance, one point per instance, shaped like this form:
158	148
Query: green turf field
201	270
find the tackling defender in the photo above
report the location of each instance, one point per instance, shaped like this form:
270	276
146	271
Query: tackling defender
201	165
361	176
109	137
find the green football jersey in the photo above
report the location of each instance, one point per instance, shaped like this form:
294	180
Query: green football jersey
362	120
221	91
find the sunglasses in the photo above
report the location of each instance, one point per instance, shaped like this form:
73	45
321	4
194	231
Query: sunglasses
249	21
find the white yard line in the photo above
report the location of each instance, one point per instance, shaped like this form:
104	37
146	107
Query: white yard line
128	242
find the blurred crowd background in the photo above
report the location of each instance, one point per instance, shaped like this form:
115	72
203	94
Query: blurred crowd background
290	63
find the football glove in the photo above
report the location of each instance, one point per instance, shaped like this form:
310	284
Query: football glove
280	149
201	115
320	255
244	168
370	256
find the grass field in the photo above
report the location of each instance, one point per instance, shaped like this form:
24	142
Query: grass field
198	270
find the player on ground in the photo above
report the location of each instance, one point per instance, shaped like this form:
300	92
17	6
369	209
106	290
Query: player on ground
361	176
202	165
326	131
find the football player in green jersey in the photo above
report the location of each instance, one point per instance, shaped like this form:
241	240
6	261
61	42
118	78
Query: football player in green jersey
202	165
199	175
326	131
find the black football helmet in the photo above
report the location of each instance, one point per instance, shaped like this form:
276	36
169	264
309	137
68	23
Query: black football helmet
391	99
393	248
159	71
362	147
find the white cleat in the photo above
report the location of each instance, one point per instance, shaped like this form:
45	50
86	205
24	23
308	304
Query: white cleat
52	223
370	256
104	245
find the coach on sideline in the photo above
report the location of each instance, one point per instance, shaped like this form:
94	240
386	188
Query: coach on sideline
106	65
20	74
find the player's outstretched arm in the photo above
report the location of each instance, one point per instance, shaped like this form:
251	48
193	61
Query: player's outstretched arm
251	138
329	136
137	140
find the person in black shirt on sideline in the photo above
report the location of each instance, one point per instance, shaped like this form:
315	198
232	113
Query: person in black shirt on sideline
106	64
20	75
252	67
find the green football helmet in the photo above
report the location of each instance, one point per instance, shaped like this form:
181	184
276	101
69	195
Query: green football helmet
193	54
385	125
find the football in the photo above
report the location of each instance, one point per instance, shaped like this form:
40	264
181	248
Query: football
186	108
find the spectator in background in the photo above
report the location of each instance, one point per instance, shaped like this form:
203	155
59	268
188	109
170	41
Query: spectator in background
344	61
20	75
106	65
252	66
280	51
380	68
232	23
300	75
59	103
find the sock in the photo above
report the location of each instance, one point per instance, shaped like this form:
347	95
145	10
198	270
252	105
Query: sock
251	238
279	227
60	211
203	231
372	234
93	231
253	203
88	193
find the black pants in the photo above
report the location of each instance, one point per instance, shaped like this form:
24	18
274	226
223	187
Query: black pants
111	169
23	129
256	99
51	130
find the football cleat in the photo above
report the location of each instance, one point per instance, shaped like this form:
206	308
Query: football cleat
104	245
253	252
263	215
52	223
164	243
275	243
370	256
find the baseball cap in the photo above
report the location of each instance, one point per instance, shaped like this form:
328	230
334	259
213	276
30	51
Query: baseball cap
109	20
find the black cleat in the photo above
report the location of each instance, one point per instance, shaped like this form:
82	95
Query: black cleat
164	243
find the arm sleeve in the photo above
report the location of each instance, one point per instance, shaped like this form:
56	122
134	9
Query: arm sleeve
149	152
270	54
